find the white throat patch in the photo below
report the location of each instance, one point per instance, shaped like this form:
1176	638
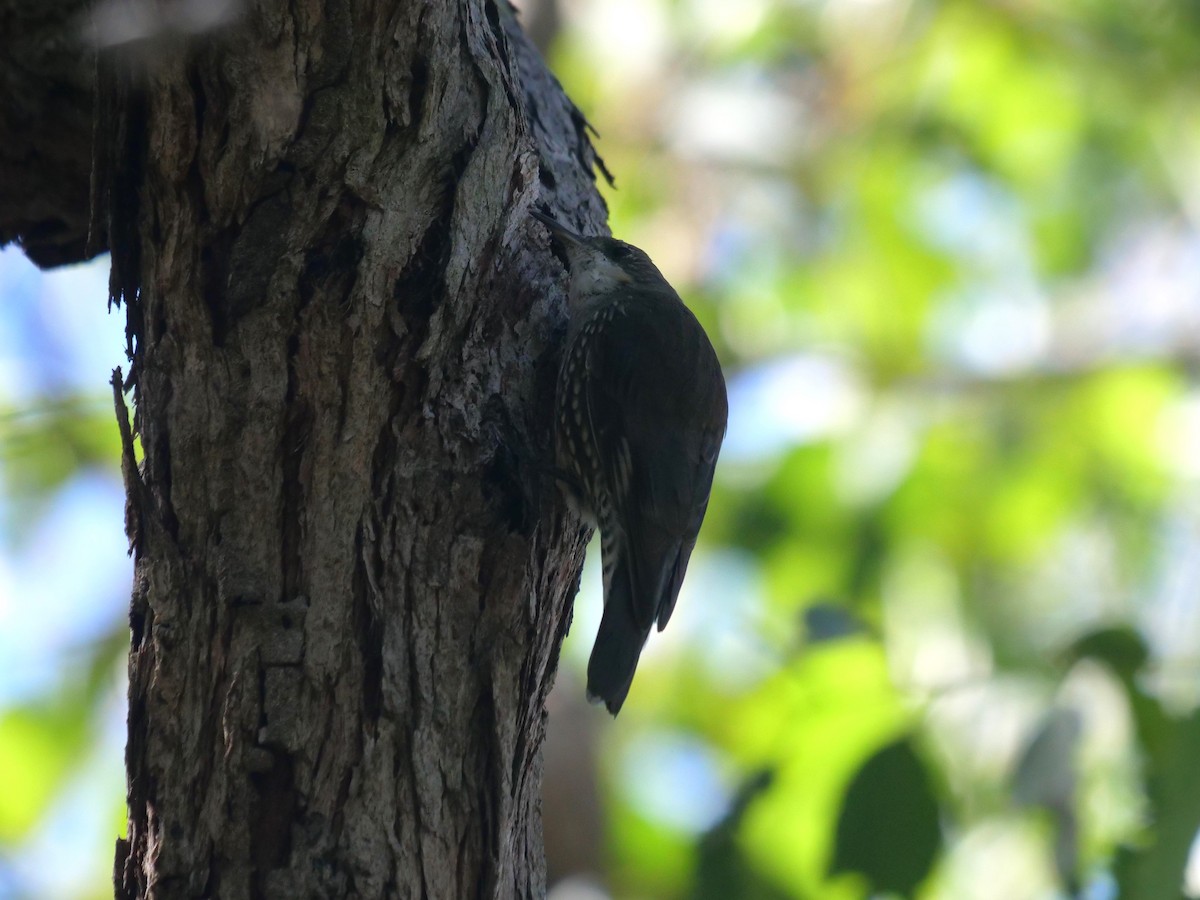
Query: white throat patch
594	275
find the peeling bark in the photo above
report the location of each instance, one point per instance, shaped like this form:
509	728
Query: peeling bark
352	575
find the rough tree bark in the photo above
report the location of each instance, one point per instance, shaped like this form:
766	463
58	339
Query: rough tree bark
352	577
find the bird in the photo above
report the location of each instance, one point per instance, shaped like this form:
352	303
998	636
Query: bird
640	413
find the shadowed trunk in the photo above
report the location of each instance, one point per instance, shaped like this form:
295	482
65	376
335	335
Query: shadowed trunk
352	576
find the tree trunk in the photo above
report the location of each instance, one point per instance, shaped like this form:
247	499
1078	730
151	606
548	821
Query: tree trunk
352	574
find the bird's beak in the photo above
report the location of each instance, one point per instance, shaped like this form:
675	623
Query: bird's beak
569	237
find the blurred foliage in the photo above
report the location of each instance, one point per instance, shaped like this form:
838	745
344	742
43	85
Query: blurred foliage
948	252
44	447
893	844
61	664
47	740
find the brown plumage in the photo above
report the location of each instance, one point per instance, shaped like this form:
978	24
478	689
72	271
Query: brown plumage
640	415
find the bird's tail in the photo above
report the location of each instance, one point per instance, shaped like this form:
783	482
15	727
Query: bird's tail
618	644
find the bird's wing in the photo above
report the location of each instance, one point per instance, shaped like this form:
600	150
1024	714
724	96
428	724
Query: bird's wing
658	462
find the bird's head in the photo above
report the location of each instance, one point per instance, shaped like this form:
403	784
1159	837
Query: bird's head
601	265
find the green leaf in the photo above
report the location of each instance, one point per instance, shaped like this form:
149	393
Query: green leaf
1155	870
888	827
